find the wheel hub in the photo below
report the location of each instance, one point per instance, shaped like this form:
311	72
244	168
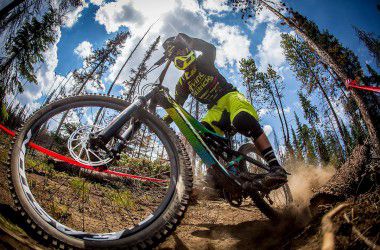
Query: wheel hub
80	149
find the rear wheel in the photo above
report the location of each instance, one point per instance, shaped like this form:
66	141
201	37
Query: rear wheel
269	204
138	203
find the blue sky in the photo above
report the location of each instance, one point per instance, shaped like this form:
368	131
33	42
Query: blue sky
89	27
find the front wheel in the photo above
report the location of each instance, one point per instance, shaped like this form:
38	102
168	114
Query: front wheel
272	203
60	193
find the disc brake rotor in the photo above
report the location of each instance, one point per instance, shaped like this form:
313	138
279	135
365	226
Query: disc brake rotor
79	147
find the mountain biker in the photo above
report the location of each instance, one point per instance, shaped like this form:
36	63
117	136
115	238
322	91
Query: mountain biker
227	107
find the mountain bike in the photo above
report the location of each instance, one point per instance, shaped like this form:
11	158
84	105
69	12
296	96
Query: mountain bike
122	179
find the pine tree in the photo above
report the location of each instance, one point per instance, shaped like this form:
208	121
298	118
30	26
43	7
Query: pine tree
301	143
26	49
324	154
20	11
340	60
28	38
307	69
279	87
373	78
99	62
333	147
371	42
345	64
140	73
307	134
267	89
297	146
311	115
347	138
304	134
309	110
248	69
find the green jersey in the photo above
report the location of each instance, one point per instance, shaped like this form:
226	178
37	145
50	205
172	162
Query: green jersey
204	81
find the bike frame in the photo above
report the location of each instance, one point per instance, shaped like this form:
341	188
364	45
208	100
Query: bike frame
190	127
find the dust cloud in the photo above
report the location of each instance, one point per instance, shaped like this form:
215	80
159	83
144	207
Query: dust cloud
306	178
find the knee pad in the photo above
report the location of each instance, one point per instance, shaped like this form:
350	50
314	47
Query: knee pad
247	125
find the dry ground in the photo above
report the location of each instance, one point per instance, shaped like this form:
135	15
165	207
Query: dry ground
207	225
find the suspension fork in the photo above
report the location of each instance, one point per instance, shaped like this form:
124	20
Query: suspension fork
113	129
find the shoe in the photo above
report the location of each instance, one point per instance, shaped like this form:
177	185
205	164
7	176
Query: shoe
278	172
275	178
264	182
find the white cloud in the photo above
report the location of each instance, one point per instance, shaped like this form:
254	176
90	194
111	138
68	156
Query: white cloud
96	2
176	16
181	16
84	49
72	17
264	16
48	81
45	77
215	7
267	129
262	112
270	51
132	13
233	45
287	109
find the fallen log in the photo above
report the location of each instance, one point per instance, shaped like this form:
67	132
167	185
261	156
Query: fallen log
346	181
328	234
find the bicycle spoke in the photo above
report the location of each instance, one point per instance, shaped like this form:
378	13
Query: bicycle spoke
90	201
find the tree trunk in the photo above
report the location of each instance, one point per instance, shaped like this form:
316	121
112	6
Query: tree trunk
279	114
333	112
373	130
133	86
80	90
8	8
287	140
336	135
141	143
249	92
324	93
283	114
126	61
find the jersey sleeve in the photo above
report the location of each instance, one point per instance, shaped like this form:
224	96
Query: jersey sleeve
181	92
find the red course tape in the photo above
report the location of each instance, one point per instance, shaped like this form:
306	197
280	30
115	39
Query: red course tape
78	164
353	84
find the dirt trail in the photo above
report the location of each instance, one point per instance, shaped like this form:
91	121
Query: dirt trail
217	225
207	225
